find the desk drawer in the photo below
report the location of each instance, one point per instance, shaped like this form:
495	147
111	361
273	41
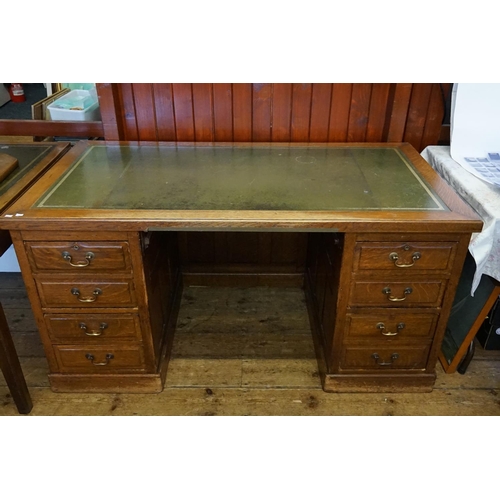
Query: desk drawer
93	328
73	292
384	358
417	256
102	359
393	293
390	325
71	256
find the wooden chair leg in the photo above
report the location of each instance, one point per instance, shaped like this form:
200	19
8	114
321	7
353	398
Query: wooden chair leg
11	368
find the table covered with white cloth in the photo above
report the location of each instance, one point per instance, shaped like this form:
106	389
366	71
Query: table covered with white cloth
484	198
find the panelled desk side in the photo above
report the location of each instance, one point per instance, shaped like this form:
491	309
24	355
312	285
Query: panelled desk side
105	282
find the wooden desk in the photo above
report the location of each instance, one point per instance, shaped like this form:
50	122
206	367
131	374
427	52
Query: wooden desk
102	241
33	161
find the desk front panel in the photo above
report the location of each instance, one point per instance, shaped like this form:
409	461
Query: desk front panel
386	359
77	292
68	255
93	329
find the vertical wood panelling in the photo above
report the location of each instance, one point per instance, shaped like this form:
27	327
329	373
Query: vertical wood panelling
288	248
144	111
265	247
197	247
112	123
242	112
223	112
279	251
203	112
282	112
183	109
398	109
435	115
339	112
320	112
377	113
164	111
128	112
417	112
358	116
261	103
221	247
243	248
301	111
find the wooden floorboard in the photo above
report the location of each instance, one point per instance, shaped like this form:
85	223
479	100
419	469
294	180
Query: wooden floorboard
242	352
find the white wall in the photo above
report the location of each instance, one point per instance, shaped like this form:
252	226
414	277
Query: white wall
8	262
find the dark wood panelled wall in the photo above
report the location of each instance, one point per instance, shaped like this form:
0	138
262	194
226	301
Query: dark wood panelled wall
274	112
268	112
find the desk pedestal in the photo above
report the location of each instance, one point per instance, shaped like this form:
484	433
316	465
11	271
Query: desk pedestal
379	305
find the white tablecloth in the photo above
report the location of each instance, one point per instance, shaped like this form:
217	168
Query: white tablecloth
484	198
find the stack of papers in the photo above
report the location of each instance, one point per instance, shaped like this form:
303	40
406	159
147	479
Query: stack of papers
486	168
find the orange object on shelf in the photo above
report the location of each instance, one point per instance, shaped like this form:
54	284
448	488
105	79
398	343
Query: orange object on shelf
17	92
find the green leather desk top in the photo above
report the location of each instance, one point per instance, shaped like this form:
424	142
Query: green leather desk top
244	177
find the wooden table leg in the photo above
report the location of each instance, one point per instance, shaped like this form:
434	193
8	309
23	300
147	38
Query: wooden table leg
464	364
464	346
11	368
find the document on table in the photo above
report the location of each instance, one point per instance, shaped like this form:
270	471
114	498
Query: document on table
486	168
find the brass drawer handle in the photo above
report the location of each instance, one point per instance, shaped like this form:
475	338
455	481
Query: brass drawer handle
381	326
394	257
376	357
94	333
88	257
96	292
109	357
387	291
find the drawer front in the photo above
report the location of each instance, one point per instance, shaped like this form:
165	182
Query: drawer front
393	358
85	293
418	256
397	293
400	325
93	329
71	256
92	359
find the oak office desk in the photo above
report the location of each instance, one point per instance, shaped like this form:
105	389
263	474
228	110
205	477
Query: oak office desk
33	161
98	242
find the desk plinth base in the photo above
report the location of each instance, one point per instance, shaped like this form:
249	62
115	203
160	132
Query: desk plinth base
141	383
383	382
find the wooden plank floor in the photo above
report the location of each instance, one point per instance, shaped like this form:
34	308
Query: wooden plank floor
241	352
